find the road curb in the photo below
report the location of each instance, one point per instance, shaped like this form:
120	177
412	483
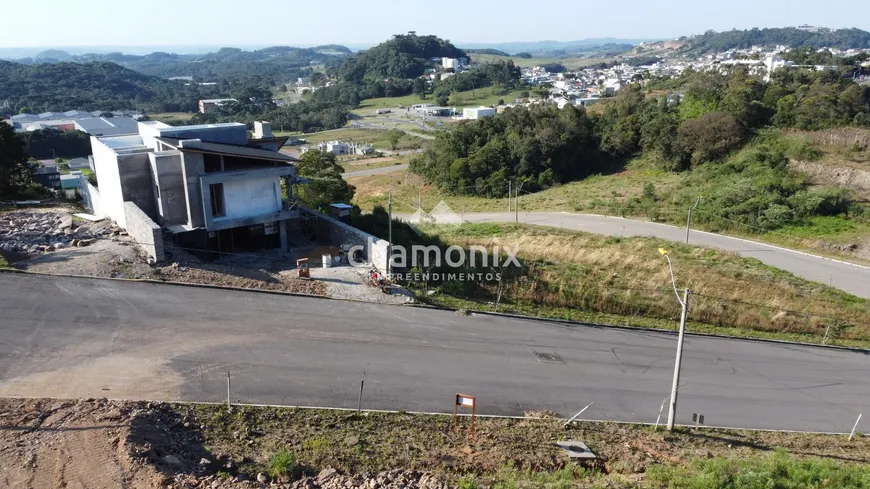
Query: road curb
668	331
441	308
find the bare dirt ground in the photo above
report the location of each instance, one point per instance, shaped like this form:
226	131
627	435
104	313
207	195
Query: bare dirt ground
97	443
349	283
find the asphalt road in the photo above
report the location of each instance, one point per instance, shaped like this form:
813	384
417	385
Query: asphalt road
65	337
375	171
854	279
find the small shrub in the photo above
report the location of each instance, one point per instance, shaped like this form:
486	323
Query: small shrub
467	483
283	465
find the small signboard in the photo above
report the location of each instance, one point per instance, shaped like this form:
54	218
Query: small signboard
464	401
698	419
302	267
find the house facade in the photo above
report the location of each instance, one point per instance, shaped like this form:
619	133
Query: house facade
210	186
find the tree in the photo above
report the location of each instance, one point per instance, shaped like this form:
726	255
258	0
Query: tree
326	185
15	171
395	137
420	88
710	136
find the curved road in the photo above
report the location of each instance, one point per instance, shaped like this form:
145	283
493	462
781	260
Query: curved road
851	278
68	337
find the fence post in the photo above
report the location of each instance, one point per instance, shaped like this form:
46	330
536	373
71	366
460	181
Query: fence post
229	406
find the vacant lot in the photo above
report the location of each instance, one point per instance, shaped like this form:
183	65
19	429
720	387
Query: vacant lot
574	275
379	139
57	443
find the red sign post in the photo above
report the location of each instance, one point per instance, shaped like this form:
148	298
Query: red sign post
466	401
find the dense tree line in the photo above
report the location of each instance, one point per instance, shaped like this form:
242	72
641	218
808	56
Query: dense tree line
93	86
303	116
712	41
51	143
402	57
491	52
538	146
713	115
279	63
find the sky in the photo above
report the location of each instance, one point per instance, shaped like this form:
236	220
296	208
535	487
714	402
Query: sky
61	23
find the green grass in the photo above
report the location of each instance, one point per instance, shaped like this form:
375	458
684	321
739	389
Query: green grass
171	116
379	139
779	470
282	465
481	96
3	262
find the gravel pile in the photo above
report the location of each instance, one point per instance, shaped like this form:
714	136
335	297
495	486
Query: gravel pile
31	233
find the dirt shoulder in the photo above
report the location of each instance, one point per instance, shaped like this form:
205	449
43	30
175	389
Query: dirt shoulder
100	443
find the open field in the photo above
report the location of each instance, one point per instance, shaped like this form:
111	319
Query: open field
585	277
379	139
481	96
171	116
350	163
570	63
139	445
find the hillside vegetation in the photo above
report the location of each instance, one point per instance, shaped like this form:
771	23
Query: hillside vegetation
403	56
93	86
712	41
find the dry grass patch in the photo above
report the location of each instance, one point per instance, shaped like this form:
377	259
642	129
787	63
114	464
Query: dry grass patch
567	270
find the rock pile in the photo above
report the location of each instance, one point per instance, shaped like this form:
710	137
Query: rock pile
27	232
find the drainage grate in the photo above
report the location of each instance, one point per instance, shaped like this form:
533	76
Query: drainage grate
548	357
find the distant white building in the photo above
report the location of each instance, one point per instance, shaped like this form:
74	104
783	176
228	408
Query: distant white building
341	148
455	64
474	113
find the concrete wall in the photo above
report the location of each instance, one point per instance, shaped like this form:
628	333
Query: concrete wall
91	197
144	231
109	182
192	166
137	184
169	187
337	233
244	198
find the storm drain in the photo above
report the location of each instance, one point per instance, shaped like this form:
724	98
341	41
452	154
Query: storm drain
548	357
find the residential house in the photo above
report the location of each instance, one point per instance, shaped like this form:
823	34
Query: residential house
208	185
208	105
47	176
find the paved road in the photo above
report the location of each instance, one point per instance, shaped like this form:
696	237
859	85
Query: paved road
851	278
375	171
66	337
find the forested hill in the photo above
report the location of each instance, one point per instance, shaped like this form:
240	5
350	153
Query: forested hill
92	86
403	56
279	64
789	36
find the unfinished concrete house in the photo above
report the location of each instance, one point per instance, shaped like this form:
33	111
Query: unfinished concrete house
210	186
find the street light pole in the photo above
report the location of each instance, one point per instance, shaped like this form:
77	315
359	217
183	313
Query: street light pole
684	303
689	219
672	409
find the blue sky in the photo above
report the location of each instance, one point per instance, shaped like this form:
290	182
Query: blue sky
238	23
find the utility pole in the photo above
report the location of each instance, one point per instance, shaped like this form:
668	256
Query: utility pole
390	234
672	410
689	220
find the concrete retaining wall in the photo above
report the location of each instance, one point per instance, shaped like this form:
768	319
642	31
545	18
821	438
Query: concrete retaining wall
91	197
144	231
337	233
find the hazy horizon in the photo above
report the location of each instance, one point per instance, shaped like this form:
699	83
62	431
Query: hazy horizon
52	23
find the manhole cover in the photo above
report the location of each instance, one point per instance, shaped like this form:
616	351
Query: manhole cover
547	357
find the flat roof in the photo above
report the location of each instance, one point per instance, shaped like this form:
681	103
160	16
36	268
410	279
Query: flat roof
229	149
